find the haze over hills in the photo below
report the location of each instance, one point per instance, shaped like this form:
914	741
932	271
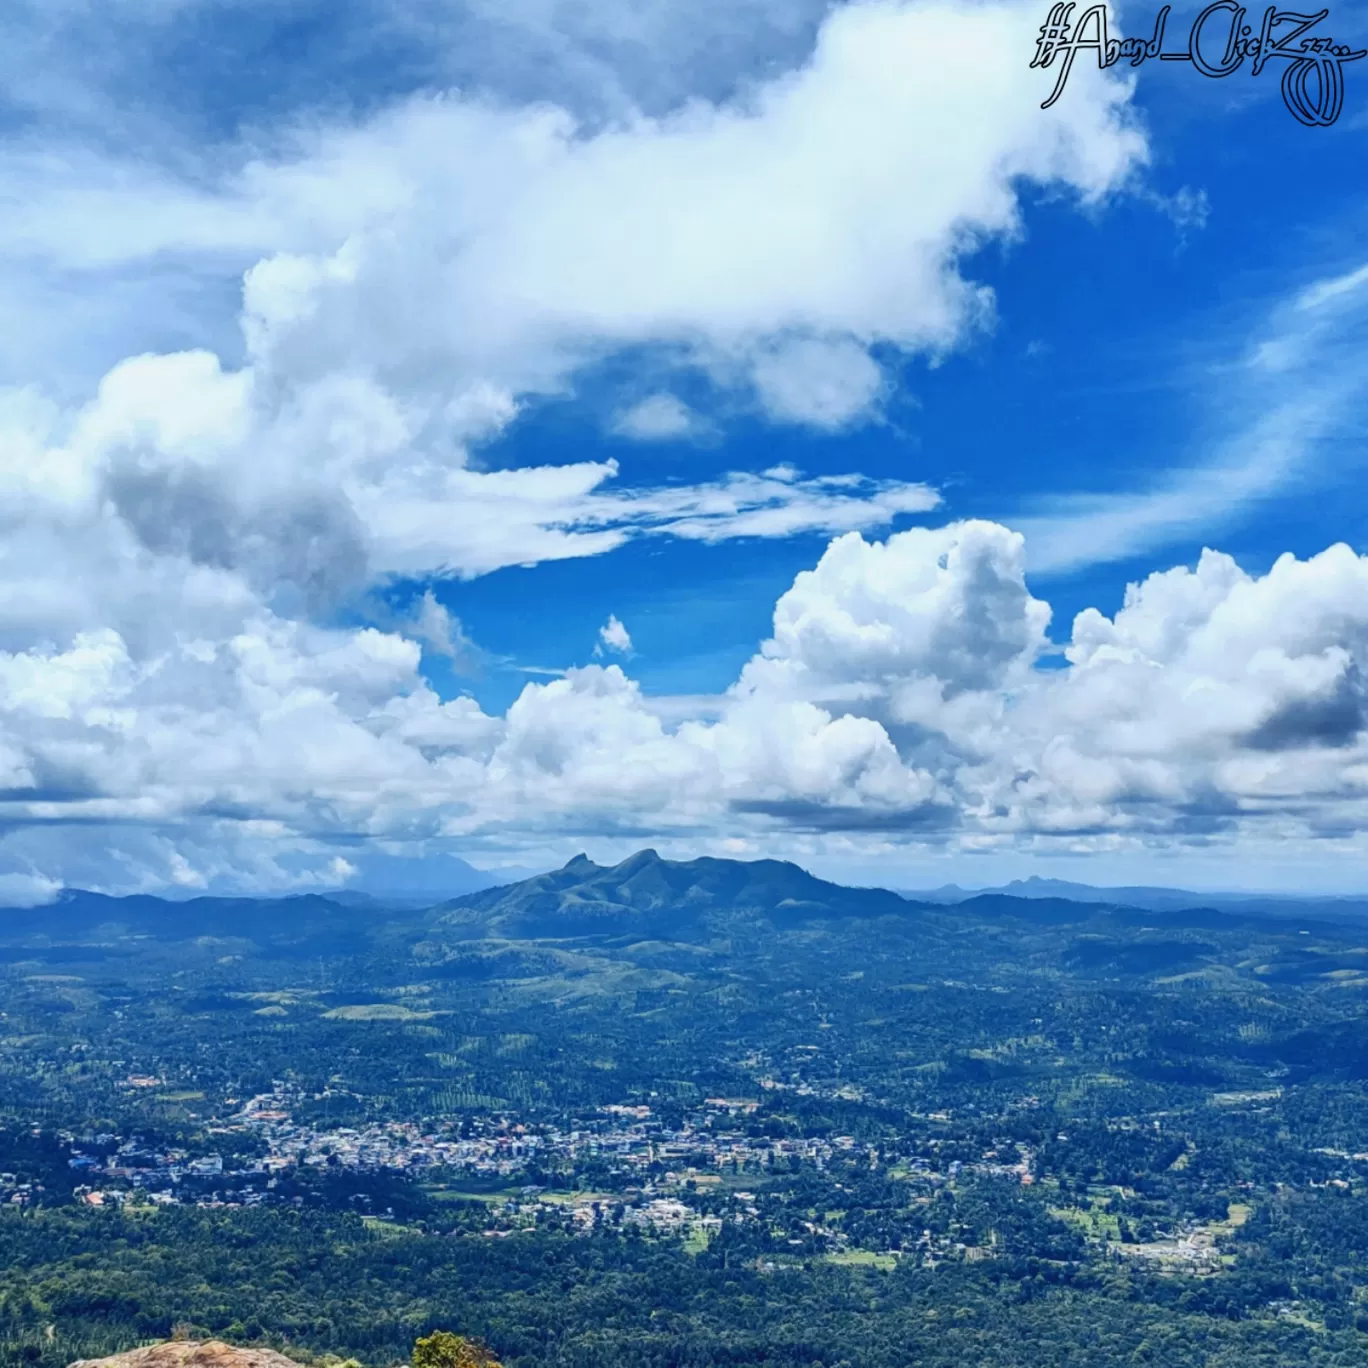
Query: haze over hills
377	878
422	882
1157	899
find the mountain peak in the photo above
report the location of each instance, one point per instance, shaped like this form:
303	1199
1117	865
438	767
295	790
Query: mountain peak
580	862
640	860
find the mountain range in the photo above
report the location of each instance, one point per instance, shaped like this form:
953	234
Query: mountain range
644	897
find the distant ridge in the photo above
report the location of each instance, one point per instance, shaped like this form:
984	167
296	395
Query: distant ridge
1153	898
643	897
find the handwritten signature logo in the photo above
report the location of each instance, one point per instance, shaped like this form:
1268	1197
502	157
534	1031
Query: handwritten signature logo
1312	82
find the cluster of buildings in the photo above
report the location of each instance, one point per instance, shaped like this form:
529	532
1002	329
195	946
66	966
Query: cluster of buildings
15	1191
114	1170
1195	1249
498	1149
666	1178
659	1170
629	1137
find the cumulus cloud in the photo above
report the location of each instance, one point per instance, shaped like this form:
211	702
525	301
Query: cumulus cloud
448	242
613	636
772	241
898	700
171	466
948	605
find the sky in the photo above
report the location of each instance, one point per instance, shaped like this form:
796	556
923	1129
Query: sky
746	428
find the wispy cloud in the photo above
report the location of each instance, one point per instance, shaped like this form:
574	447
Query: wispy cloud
1299	383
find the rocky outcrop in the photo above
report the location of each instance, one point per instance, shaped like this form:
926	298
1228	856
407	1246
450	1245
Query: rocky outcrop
191	1354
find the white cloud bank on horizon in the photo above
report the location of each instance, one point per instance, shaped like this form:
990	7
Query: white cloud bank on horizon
898	703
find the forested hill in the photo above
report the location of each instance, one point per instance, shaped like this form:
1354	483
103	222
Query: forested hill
647	895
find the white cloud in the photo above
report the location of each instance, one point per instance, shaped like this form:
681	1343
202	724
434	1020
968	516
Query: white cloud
27	890
447	242
613	636
826	384
949	604
896	705
657	418
1325	291
438	629
897	702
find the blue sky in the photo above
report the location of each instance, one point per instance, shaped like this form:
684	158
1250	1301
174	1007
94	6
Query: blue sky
368	361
